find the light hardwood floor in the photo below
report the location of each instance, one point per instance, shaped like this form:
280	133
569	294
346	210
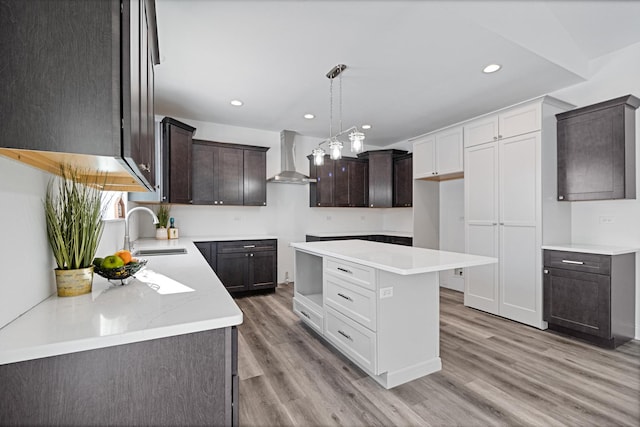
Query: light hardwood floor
495	372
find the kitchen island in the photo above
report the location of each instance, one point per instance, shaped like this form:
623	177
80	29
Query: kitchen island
161	349
376	303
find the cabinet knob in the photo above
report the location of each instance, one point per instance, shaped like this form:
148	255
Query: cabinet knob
264	203
495	138
221	202
372	205
215	202
145	168
250	254
164	197
191	201
560	197
499	136
546	271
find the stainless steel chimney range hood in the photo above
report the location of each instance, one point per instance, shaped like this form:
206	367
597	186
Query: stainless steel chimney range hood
289	174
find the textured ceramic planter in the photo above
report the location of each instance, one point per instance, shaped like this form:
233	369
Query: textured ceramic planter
161	233
74	282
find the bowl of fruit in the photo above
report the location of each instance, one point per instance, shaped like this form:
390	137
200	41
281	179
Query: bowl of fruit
119	266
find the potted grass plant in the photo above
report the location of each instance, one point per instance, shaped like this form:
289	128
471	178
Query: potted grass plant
73	209
163	218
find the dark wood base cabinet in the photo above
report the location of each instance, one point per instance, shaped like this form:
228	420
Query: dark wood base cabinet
243	265
590	296
189	379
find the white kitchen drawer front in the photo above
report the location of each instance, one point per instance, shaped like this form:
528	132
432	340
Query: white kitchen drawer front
354	340
358	274
308	315
353	301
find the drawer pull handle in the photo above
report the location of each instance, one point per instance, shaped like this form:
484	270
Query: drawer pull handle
345	270
305	314
345	296
249	246
566	261
345	335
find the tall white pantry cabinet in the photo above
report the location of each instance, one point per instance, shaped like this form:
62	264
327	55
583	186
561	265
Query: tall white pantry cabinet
510	185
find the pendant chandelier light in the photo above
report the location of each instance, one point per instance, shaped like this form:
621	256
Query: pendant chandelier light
334	142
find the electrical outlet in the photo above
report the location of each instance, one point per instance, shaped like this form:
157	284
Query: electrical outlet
328	217
236	218
458	272
607	219
386	293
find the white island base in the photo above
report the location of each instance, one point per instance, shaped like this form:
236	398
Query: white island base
376	303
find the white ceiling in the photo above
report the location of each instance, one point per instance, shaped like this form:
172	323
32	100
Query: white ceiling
414	66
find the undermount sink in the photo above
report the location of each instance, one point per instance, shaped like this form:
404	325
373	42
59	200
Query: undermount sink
161	251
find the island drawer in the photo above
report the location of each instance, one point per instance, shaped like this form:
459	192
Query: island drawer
308	315
353	339
357	273
353	301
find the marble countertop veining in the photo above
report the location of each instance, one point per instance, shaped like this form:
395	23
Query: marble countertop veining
397	259
183	295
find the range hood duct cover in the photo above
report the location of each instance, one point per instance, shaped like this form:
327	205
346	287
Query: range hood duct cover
289	175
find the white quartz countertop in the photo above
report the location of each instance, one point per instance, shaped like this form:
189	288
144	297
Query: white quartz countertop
183	295
215	238
591	249
359	233
393	258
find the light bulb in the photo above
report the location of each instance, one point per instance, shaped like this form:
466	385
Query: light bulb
356	139
335	148
318	156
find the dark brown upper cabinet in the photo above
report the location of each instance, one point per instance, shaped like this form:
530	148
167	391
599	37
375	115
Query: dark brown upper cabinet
321	192
222	172
351	183
339	183
381	185
596	151
177	138
77	86
403	181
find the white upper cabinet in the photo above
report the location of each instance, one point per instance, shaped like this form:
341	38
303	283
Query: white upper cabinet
438	155
504	124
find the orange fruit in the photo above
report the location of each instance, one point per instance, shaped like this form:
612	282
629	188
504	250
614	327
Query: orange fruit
125	255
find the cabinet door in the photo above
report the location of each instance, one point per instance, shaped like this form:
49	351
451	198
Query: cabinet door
233	270
481	225
449	152
403	182
341	183
520	237
591	156
358	183
203	176
325	184
579	301
380	180
481	131
229	176
518	121
424	157
209	252
255	178
262	270
179	168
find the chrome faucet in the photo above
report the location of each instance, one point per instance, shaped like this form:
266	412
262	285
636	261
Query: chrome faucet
127	241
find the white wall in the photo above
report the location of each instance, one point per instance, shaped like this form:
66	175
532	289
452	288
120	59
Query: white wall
613	75
287	214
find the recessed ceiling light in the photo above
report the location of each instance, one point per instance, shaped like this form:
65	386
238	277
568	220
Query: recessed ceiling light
309	116
236	103
491	68
365	127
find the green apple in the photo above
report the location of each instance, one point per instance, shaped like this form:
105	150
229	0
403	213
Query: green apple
97	262
111	262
